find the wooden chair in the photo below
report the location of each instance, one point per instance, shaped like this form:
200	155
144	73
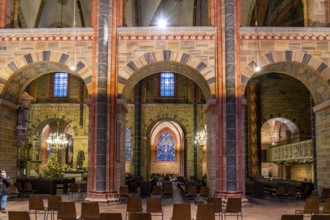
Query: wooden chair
82	190
320	217
292	192
167	190
18	215
233	207
19	188
154	206
73	189
281	192
204	192
36	203
325	193
191	193
205	212
326	206
311	206
217	202
123	193
156	191
111	216
134	204
66	211
140	216
181	211
52	207
13	192
292	217
90	211
27	188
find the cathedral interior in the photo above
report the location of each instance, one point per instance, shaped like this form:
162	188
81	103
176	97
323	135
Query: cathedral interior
225	92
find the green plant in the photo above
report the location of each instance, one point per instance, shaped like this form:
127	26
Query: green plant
53	168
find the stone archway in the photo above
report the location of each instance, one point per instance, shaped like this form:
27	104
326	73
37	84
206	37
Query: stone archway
20	72
314	74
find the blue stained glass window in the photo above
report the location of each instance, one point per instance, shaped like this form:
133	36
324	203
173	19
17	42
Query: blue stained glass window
165	149
167	83
60	84
128	144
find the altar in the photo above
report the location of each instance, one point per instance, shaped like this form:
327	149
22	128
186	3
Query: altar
77	174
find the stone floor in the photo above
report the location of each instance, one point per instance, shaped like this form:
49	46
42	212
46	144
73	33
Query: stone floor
253	209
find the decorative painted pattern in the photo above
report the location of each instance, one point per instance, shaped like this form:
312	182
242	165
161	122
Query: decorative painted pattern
180	36
285	36
291	152
46	37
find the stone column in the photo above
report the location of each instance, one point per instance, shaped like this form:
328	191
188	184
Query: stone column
322	124
137	131
231	99
212	146
23	116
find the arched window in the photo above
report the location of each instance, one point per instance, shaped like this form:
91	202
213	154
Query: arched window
165	148
128	144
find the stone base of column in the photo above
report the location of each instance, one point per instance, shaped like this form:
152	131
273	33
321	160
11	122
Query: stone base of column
225	194
97	197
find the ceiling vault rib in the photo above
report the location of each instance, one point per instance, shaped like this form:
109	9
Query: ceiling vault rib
41	8
81	15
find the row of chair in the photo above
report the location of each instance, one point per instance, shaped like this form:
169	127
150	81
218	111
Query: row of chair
182	211
301	217
313	206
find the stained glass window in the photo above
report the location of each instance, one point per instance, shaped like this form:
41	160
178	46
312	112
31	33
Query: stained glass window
167	83
165	149
60	84
128	144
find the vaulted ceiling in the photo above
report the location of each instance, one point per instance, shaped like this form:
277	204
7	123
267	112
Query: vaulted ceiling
69	13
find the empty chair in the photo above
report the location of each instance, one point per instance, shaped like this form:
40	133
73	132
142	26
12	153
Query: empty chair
19	188
66	211
156	190
167	190
13	191
90	211
325	193
205	212
134	204
203	192
311	206
320	217
326	206
27	188
233	207
292	217
281	192
217	203
181	212
52	207
18	215
123	193
140	216
191	193
83	190
36	203
154	206
73	188
111	216
292	192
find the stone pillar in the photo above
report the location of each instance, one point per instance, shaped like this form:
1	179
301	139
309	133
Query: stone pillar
322	124
212	146
137	131
253	130
231	98
97	175
318	13
23	116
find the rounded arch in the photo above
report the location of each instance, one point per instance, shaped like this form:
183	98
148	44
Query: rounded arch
166	60
310	70
21	71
